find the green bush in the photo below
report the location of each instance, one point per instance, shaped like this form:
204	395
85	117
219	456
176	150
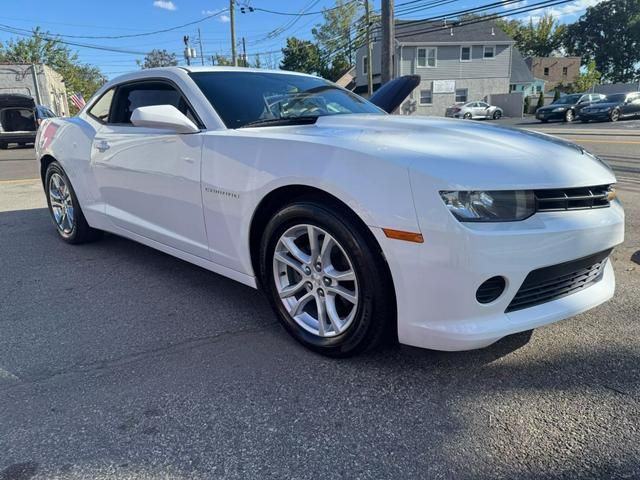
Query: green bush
527	104
556	94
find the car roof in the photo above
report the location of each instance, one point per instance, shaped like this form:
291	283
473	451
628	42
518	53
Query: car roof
147	72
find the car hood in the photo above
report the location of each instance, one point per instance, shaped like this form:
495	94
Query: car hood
458	153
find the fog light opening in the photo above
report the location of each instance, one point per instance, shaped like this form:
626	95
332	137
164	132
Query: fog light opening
491	289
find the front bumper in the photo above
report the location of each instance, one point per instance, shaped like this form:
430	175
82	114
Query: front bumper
436	281
550	115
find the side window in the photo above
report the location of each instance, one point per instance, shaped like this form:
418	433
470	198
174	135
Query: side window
145	94
100	110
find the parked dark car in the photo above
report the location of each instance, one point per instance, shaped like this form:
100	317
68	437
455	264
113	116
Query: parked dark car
613	108
568	107
20	118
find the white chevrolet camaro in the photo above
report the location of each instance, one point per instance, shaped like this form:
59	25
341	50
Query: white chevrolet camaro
357	224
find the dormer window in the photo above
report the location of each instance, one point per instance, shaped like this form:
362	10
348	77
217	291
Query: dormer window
489	52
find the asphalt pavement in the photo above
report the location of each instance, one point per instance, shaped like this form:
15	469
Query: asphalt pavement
118	361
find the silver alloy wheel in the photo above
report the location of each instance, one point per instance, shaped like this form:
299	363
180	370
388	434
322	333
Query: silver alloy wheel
315	280
61	203
569	116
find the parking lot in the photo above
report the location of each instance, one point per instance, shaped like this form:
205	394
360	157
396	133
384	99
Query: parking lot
120	361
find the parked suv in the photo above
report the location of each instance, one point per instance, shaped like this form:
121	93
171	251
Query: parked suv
20	118
568	107
613	108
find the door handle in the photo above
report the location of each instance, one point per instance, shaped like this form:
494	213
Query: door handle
103	146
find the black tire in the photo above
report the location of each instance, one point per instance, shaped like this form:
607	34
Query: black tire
544	121
614	116
375	309
569	116
497	114
81	231
467	116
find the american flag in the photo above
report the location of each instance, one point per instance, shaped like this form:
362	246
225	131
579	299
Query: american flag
77	100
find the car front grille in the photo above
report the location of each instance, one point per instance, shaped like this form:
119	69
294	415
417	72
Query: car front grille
555	200
557	281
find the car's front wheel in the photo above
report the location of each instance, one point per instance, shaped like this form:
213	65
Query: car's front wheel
569	116
326	280
497	114
65	209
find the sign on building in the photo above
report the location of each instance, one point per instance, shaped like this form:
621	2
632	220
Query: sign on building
444	86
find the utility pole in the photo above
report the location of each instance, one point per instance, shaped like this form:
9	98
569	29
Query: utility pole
201	49
187	49
244	53
367	19
388	43
232	21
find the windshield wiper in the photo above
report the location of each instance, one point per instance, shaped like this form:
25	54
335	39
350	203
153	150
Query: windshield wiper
274	122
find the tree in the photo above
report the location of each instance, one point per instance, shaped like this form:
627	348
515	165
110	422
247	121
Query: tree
159	58
221	60
609	34
334	35
556	94
43	48
257	63
539	39
334	70
540	103
527	104
301	56
587	79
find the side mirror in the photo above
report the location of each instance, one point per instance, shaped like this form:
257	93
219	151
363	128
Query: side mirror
163	116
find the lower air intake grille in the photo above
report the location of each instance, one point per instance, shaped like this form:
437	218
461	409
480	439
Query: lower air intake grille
550	283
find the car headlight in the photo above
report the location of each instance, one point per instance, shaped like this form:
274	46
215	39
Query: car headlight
490	206
559	109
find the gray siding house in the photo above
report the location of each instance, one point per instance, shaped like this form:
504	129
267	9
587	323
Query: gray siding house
457	63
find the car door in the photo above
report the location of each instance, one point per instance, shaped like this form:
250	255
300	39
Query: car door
483	109
149	178
475	111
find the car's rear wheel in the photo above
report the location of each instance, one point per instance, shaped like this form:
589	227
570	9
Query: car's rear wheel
614	116
325	280
569	116
467	116
65	209
497	114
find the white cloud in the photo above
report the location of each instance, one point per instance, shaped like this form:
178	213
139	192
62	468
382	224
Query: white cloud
510	6
572	9
165	4
209	12
224	18
221	18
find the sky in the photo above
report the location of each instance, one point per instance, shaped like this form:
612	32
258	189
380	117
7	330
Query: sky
265	33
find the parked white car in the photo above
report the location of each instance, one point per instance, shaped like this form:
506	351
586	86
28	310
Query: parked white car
357	224
474	111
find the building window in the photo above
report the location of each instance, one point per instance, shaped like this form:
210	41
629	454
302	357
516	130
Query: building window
425	97
427	57
465	54
565	71
489	52
365	64
512	88
461	95
538	88
546	71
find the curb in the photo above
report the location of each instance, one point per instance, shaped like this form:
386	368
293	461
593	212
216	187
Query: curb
607	133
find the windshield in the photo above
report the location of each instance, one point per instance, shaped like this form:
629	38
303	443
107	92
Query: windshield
569	99
243	98
616	98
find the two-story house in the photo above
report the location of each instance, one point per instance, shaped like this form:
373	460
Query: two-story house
457	63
